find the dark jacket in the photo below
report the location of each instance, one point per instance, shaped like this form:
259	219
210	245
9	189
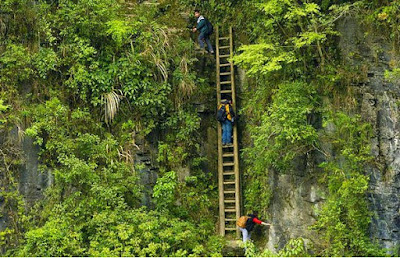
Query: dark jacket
250	223
202	25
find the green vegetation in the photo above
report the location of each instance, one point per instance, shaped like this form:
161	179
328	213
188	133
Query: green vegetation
88	80
345	217
295	69
294	248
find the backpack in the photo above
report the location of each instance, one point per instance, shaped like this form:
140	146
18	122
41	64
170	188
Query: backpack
210	27
221	114
241	222
232	113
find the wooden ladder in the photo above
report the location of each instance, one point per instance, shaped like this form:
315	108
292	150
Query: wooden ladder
228	156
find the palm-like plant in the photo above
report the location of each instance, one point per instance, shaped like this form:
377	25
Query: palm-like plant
186	84
111	102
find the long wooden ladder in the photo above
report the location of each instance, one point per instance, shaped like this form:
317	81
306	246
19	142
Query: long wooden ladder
228	156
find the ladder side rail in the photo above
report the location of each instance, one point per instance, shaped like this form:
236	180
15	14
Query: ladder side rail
219	131
235	138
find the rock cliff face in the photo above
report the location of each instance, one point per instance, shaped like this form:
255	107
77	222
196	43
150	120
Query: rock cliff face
292	208
297	196
379	105
31	182
146	168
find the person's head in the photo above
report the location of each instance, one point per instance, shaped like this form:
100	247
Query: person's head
197	13
255	213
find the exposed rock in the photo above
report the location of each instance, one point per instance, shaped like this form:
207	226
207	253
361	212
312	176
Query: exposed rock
32	182
297	197
146	167
379	106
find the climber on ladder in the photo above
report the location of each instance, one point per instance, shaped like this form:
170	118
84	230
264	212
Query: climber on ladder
247	223
206	29
226	116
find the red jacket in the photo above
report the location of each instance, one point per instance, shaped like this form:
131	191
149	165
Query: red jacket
250	223
255	220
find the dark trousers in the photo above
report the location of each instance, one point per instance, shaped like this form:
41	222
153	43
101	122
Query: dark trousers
205	37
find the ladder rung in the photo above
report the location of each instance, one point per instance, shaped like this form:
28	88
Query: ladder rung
229	183
227	82
228	73
227	146
224	47
226	91
230	210
228	164
226	64
223	56
228	173
229	192
230	200
223	38
230	229
230	219
228	155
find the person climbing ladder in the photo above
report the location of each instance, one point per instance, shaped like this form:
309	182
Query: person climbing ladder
206	29
226	116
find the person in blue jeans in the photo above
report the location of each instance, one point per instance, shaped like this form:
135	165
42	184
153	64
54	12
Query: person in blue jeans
226	132
252	220
202	27
227	124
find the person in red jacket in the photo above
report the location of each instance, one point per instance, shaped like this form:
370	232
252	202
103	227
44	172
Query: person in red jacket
250	223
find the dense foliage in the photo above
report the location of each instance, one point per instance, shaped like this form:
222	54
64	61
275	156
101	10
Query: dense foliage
89	80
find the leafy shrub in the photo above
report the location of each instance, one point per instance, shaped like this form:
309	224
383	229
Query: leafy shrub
120	232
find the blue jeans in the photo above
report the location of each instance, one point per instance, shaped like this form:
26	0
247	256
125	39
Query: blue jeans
226	132
205	37
246	235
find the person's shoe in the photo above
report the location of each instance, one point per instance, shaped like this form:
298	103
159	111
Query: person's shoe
211	52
